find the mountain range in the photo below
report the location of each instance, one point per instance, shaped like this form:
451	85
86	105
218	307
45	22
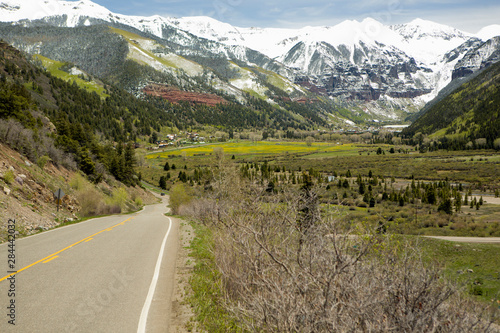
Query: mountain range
467	117
375	71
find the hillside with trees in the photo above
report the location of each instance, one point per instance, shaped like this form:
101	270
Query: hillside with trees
467	118
61	121
56	135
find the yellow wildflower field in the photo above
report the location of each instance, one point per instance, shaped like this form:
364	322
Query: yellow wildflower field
261	148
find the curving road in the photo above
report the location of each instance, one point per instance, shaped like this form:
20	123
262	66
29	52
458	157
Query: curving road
110	274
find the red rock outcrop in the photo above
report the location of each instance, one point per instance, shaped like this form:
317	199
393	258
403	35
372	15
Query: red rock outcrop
175	95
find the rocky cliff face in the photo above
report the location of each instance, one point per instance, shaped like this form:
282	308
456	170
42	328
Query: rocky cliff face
395	76
479	55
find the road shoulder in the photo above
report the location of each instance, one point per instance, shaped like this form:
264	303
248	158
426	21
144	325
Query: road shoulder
182	317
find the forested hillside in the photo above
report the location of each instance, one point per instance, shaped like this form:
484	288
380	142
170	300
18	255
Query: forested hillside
468	117
46	118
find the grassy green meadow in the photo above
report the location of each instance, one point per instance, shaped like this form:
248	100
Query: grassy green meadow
54	67
358	158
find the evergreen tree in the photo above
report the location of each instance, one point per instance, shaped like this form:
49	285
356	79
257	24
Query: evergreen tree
458	202
445	206
163	183
430	195
362	188
85	162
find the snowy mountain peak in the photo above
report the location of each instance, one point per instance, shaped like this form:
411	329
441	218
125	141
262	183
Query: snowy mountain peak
16	10
208	28
489	32
419	28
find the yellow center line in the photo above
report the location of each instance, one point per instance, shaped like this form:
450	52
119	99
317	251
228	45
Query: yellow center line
46	261
86	239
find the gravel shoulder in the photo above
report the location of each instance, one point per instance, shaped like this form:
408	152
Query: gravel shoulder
181	316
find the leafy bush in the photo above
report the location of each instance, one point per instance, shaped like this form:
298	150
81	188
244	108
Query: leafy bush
91	201
78	182
8	176
178	196
42	161
138	202
119	197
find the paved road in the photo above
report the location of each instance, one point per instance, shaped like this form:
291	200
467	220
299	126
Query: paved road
94	276
468	239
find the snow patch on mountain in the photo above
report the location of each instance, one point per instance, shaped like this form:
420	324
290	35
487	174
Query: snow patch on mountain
489	32
16	10
247	81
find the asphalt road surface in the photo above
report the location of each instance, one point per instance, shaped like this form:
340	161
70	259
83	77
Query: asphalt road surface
111	274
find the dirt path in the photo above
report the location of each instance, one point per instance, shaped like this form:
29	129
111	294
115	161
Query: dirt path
487	199
468	239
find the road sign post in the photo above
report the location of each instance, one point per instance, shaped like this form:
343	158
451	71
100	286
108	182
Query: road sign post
58	196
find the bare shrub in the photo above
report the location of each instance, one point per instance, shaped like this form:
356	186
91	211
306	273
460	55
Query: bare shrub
91	201
33	146
480	142
110	209
279	276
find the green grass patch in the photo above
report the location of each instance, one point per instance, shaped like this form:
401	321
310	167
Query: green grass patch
207	286
475	265
135	40
54	68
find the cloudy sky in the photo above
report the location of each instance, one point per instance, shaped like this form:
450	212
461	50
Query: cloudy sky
467	15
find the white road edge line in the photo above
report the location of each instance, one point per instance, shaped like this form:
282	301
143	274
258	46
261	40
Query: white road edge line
149	299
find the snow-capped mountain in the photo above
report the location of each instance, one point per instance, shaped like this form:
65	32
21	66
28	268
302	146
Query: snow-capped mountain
489	32
405	60
483	55
363	60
